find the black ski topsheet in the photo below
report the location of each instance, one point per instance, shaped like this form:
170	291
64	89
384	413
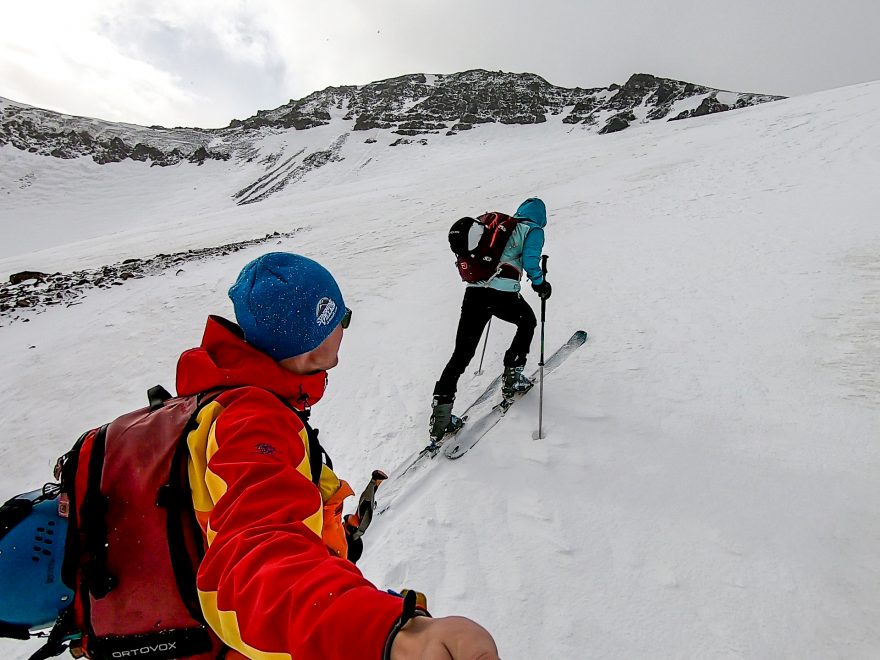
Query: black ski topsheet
484	420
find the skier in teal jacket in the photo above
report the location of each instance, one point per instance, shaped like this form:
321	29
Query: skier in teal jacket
500	297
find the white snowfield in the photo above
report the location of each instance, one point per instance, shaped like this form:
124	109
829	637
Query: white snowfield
708	485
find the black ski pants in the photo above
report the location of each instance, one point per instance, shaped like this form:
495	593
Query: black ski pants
479	305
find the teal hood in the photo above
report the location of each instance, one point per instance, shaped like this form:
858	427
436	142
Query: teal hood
533	209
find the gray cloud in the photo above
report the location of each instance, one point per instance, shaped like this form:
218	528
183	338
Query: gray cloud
204	62
231	85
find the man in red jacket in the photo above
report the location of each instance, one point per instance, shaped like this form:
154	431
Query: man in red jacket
274	578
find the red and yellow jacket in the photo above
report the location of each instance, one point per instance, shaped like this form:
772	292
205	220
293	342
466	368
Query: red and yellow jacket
274	582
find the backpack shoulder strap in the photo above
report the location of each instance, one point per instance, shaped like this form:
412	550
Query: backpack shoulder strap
318	456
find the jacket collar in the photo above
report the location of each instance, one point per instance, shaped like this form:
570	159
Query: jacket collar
225	359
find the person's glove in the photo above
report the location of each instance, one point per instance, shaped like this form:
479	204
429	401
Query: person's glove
543	289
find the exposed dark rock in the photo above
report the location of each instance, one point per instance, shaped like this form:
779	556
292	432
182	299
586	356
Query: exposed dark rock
144	152
198	156
421	126
366	122
25	275
616	123
710	105
201	154
32	292
524	119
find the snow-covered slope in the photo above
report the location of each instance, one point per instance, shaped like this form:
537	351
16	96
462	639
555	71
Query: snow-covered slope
708	484
279	147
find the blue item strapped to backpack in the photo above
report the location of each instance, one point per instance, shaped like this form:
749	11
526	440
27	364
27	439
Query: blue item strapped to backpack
32	538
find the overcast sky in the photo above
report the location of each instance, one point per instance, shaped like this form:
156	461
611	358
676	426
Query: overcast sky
205	62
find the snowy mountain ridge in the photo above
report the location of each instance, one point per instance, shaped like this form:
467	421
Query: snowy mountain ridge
409	105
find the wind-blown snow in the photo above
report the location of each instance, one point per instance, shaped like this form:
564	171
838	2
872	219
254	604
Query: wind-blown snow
708	484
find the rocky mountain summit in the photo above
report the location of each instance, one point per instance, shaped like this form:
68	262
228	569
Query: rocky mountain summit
410	105
420	104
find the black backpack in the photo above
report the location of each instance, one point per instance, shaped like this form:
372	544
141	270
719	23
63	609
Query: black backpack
478	244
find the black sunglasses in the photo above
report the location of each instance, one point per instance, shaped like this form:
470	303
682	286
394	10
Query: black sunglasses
346	319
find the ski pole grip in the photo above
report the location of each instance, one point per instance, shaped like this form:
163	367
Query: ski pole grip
544	264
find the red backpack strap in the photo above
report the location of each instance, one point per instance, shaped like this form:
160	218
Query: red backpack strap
500	224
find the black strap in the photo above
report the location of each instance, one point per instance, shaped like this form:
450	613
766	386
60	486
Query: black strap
409	613
100	581
56	643
51	649
65	472
316	462
13	512
157	396
318	456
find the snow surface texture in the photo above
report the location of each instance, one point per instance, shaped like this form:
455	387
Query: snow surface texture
708	484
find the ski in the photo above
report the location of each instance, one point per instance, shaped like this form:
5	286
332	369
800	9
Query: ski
487	416
477	407
480	406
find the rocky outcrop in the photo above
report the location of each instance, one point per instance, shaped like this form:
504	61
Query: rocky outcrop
32	292
64	136
289	171
418	104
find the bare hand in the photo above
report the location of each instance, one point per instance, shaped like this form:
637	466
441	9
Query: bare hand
449	638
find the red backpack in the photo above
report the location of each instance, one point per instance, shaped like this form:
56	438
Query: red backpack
478	244
133	542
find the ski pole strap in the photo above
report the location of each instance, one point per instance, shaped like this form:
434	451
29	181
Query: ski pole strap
414	604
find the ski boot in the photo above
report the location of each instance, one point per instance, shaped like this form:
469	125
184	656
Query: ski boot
513	382
442	421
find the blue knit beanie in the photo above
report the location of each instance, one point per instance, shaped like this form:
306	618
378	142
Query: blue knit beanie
286	304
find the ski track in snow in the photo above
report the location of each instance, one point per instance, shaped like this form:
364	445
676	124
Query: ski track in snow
708	484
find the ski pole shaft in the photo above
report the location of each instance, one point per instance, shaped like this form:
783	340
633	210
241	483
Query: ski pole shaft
479	371
541	363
